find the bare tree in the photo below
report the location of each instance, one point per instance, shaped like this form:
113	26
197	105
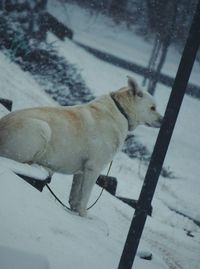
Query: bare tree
162	17
118	9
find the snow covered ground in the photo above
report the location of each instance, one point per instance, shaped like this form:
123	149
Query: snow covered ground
33	222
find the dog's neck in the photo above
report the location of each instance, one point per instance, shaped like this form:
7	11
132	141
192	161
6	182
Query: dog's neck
120	108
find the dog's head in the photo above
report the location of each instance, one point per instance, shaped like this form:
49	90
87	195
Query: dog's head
139	106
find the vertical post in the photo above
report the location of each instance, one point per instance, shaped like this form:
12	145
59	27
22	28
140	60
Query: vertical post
162	143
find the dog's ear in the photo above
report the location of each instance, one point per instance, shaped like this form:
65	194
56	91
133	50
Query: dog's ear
132	84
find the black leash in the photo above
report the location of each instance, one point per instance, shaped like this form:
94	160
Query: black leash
68	208
56	197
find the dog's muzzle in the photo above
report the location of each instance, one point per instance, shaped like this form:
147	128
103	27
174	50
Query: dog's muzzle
155	124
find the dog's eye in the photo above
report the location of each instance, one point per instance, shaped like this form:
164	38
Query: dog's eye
153	108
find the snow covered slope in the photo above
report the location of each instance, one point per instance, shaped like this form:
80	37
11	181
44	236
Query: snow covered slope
34	222
20	87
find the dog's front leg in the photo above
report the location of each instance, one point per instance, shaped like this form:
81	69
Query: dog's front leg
75	190
88	181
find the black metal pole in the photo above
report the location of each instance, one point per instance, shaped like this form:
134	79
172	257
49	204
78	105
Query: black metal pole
162	143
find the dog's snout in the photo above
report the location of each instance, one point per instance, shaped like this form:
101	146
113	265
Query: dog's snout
157	123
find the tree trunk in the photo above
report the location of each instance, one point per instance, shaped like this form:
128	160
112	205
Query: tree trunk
153	58
164	40
117	9
153	82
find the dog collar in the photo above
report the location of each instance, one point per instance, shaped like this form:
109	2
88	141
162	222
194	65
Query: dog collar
120	108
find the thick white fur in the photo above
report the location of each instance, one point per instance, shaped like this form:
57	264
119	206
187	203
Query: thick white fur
79	140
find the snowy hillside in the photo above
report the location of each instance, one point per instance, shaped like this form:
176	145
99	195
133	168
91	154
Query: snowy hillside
34	224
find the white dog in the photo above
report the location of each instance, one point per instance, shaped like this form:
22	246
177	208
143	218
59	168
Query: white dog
79	140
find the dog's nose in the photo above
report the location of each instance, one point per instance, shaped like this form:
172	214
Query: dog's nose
160	120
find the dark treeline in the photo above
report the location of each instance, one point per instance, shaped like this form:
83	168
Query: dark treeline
161	22
149	16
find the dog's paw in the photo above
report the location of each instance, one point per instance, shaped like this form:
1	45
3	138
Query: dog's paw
82	213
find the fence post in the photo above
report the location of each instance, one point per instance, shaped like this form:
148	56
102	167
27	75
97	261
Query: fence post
6	103
162	143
